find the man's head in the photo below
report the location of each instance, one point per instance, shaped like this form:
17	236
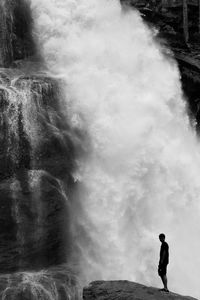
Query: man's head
162	237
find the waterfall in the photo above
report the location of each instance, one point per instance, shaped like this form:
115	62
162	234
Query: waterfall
98	154
140	172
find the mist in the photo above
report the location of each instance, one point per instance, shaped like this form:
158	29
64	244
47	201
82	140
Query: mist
139	170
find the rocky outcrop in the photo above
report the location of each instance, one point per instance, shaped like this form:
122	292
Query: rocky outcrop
126	290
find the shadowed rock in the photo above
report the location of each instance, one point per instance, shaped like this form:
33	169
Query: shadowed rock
37	159
15	31
34	132
34	222
36	165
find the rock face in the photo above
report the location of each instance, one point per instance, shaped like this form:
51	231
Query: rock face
36	161
15	31
39	136
33	222
126	290
37	158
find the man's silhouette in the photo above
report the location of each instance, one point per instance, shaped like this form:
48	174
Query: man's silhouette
163	262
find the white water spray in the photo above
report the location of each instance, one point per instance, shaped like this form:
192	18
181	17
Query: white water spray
142	172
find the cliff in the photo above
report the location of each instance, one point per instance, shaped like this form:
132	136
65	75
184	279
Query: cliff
36	163
36	155
126	290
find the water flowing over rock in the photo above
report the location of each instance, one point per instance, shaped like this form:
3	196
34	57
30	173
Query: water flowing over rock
52	284
169	24
143	156
36	165
78	173
34	211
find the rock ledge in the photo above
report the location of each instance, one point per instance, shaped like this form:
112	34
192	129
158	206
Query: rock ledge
126	290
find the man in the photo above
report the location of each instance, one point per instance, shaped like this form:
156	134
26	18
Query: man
163	262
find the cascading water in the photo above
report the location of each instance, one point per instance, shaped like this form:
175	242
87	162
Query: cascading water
141	172
36	162
34	203
100	166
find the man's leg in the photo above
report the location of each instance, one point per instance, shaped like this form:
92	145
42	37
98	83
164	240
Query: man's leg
164	280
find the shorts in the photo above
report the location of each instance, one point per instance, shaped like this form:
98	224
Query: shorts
162	270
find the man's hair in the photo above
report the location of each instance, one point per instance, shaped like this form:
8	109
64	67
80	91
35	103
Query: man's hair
162	235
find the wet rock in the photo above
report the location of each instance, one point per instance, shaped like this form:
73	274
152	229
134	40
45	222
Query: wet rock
53	283
34	222
126	290
15	31
34	132
6	54
4	79
49	133
36	164
36	155
15	149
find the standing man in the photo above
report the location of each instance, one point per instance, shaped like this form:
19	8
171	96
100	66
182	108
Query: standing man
163	262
